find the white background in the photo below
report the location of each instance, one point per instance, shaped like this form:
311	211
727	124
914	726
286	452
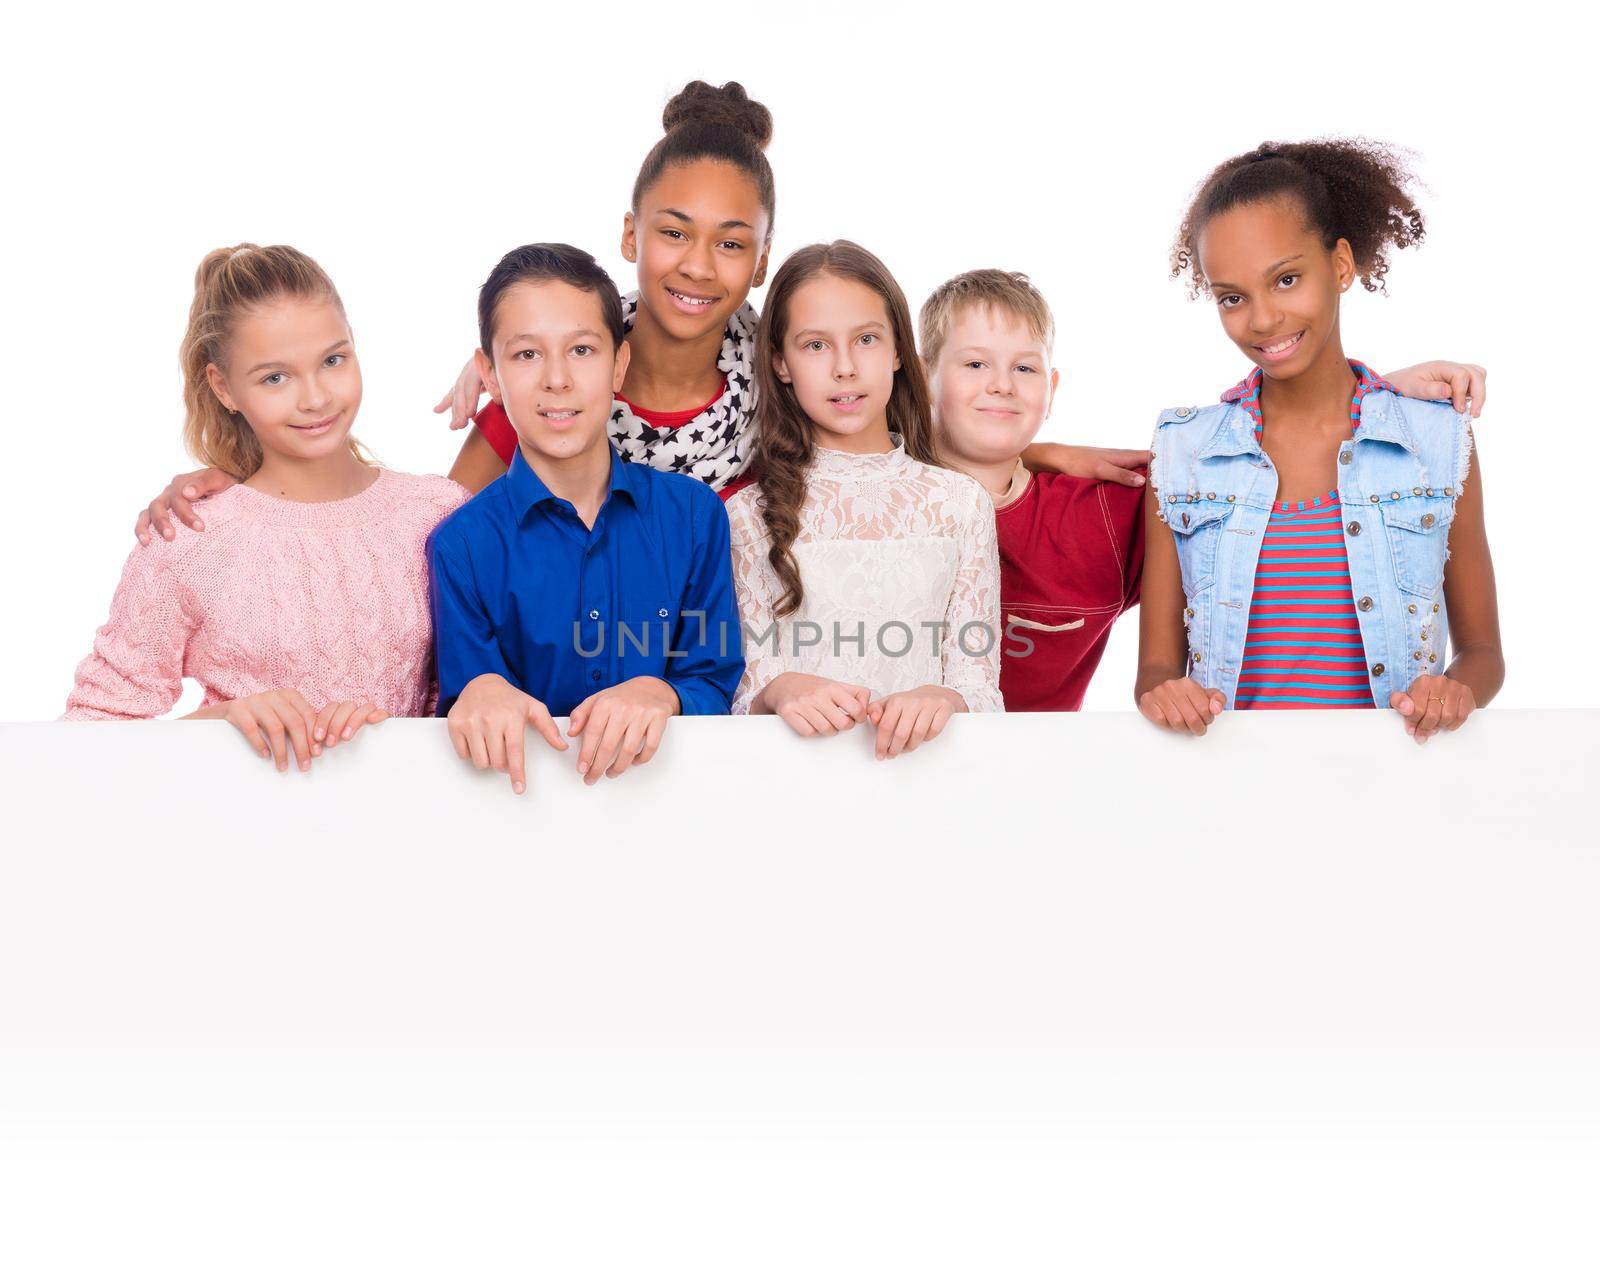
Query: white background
406	149
394	1015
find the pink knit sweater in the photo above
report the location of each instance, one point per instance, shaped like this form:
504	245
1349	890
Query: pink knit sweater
327	598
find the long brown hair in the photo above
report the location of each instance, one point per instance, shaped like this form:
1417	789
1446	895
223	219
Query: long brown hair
785	445
229	283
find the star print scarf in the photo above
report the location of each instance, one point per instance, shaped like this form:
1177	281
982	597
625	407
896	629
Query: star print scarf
715	445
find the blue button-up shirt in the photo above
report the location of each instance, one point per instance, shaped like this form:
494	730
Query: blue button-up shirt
523	589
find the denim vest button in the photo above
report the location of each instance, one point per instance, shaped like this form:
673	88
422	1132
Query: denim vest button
1197	658
1428	520
1211	497
1416	656
1417	490
1395	495
1374	498
1354	528
1377	669
1430	493
1366	603
1230	497
1172	497
1431	658
1436	608
1345	456
1411	608
1449	492
1183	412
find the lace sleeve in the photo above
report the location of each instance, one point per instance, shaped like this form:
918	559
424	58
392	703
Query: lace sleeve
970	656
756	587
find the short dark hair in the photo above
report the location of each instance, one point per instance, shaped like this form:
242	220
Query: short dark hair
549	262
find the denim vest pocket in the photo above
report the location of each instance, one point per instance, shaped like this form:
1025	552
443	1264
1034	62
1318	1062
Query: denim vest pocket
1418	529
1197	532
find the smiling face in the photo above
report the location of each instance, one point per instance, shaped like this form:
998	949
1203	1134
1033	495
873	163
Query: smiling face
700	239
292	372
992	385
1276	286
838	354
554	367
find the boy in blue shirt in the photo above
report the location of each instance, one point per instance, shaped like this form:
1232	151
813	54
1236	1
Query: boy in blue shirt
576	584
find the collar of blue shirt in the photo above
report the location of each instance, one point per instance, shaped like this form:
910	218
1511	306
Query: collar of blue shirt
528	491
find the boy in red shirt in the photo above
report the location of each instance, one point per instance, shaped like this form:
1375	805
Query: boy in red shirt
1071	550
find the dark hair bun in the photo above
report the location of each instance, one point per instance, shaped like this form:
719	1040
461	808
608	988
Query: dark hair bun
729	106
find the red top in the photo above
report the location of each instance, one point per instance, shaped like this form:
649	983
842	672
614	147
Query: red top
1071	552
502	437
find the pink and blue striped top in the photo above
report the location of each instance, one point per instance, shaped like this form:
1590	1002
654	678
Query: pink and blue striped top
1302	646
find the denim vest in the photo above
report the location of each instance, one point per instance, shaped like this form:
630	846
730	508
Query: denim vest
1400	474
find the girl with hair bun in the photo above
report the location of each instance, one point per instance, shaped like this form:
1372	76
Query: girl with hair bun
698	229
303	609
1317	540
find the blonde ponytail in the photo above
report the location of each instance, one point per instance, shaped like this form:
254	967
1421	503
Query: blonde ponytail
229	282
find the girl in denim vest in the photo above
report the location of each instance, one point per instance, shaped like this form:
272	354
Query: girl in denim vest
1317	540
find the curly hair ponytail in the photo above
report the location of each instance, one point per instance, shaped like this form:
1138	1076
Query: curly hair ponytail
1350	188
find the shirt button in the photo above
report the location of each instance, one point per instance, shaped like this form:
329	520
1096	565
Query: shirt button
595	675
1377	669
661	613
594	614
1354	528
1366	603
1345	457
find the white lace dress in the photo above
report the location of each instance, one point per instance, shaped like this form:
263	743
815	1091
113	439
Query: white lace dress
901	574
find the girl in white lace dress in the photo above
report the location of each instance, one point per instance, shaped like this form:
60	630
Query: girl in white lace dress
868	576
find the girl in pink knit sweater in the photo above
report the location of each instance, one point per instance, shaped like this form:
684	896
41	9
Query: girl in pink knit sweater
303	608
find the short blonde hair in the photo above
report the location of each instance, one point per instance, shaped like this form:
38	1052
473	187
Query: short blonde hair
987	288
